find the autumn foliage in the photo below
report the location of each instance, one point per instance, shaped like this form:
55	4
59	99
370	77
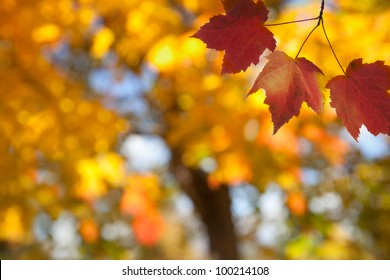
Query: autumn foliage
288	82
361	97
240	33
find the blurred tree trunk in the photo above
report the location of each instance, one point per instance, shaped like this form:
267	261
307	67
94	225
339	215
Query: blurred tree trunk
213	207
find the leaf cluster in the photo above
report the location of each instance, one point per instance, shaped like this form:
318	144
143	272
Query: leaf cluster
360	96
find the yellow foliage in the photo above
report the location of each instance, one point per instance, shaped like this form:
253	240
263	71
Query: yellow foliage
363	6
102	42
334	250
288	180
256	100
301	248
172	52
12	225
46	33
97	174
59	140
91	184
232	169
164	54
112	168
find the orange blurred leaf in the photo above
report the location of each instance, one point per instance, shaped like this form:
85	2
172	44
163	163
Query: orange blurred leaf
148	228
296	203
89	231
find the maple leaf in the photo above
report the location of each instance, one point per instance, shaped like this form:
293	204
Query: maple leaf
361	97
287	83
240	33
228	4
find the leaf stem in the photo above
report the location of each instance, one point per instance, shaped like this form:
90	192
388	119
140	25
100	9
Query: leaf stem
315	27
304	42
330	45
289	22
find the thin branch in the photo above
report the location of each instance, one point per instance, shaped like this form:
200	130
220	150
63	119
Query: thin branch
289	22
330	45
315	27
304	42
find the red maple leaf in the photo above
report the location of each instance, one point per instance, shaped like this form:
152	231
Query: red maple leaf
361	97
287	83
240	33
228	4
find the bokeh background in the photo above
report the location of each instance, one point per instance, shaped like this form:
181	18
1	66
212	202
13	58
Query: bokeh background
119	138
